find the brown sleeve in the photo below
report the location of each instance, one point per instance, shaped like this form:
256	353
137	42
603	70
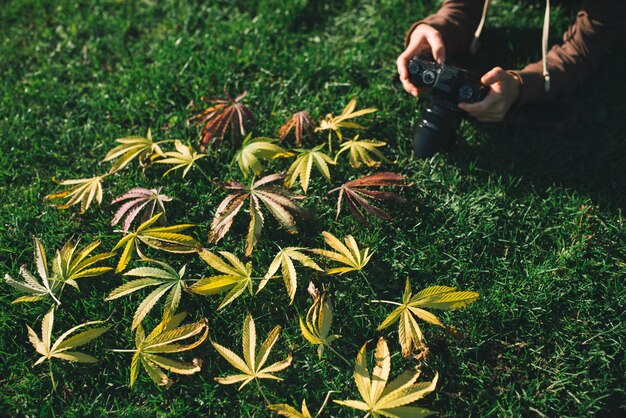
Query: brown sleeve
573	62
456	21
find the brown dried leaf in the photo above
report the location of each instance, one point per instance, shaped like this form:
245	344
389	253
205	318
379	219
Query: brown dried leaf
224	113
301	122
357	193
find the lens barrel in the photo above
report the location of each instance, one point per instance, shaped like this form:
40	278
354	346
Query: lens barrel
435	131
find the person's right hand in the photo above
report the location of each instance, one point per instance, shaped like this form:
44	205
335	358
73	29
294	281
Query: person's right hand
423	39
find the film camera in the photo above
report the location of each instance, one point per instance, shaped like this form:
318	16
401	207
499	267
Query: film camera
448	87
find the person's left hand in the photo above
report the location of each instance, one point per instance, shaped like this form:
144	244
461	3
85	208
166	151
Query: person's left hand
503	91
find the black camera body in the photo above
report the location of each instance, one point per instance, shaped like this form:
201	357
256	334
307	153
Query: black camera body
448	87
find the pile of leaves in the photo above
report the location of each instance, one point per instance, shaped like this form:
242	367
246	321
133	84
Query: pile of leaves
261	192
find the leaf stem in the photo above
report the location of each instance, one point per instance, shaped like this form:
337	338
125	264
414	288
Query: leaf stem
366	281
324	404
339	355
203	173
54	384
258	385
386	301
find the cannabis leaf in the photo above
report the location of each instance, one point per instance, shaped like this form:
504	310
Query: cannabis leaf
164	339
335	123
284	260
413	307
316	328
291	412
361	150
301	167
254	150
300	122
166	278
184	157
252	364
388	400
278	200
68	265
132	147
138	199
349	254
166	238
82	191
216	119
62	346
235	278
357	192
37	291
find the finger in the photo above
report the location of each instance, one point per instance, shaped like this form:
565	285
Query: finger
493	76
404	75
480	107
436	45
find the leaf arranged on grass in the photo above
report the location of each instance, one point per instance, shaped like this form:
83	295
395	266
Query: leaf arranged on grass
63	348
166	279
166	238
289	411
36	289
414	307
357	192
388	400
252	363
184	157
164	339
301	123
82	191
254	150
224	113
301	167
137	199
316	328
132	147
350	255
335	123
277	200
284	260
69	265
363	151
235	277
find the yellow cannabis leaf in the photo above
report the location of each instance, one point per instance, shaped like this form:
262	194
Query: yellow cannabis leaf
165	278
335	123
387	400
285	261
132	147
62	346
413	307
164	339
349	254
69	264
235	277
253	150
316	328
166	238
184	157
252	363
83	192
289	411
302	166
363	151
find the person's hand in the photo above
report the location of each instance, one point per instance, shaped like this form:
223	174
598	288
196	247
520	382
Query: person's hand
504	88
423	39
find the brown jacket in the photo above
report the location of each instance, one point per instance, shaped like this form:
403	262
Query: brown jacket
569	64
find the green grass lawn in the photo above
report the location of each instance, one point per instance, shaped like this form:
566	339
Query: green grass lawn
528	214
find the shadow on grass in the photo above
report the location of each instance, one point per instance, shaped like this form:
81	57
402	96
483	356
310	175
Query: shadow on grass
578	141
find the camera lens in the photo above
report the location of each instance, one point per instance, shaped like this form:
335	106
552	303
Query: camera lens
428	77
435	131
